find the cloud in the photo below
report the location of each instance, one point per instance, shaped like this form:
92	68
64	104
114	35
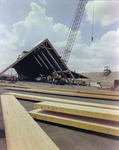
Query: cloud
105	12
9	40
97	55
37	26
9	44
42	2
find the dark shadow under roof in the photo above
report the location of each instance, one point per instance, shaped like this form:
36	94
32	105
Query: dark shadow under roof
41	61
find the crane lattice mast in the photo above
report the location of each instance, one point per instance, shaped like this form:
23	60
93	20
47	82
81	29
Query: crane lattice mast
74	30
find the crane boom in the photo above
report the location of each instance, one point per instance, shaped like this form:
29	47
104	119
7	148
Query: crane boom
73	31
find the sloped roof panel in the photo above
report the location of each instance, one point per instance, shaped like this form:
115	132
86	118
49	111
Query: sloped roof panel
41	60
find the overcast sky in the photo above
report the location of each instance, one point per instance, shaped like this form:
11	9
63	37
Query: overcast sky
25	23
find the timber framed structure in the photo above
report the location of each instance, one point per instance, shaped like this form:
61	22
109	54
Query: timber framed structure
42	60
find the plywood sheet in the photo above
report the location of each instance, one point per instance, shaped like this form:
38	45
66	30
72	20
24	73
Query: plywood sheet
97	125
66	93
101	113
22	132
66	101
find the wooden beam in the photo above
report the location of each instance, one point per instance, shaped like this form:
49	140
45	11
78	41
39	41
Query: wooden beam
22	132
100	113
108	93
56	63
66	101
66	93
25	86
111	93
96	125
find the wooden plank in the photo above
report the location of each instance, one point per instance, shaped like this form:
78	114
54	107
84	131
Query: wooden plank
22	132
97	125
24	86
66	101
38	90
66	93
111	93
101	113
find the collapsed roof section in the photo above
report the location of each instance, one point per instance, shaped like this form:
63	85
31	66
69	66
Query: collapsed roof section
42	60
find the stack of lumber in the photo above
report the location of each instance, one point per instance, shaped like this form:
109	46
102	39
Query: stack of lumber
62	89
84	115
58	100
22	132
103	120
86	94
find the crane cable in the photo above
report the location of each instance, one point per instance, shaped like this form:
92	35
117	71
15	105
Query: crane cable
93	20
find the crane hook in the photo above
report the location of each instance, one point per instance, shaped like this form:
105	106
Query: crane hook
93	20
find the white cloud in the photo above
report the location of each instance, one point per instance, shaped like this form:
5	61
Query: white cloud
26	33
99	54
42	2
9	40
105	12
37	26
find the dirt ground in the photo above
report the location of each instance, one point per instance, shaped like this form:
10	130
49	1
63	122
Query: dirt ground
66	138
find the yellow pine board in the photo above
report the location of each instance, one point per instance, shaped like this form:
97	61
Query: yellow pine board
111	93
66	93
97	125
24	86
66	101
22	132
39	91
101	113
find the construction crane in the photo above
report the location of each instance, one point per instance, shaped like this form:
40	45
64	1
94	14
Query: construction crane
73	30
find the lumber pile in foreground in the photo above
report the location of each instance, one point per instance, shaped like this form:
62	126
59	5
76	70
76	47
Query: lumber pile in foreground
84	115
22	132
96	119
96	96
100	113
